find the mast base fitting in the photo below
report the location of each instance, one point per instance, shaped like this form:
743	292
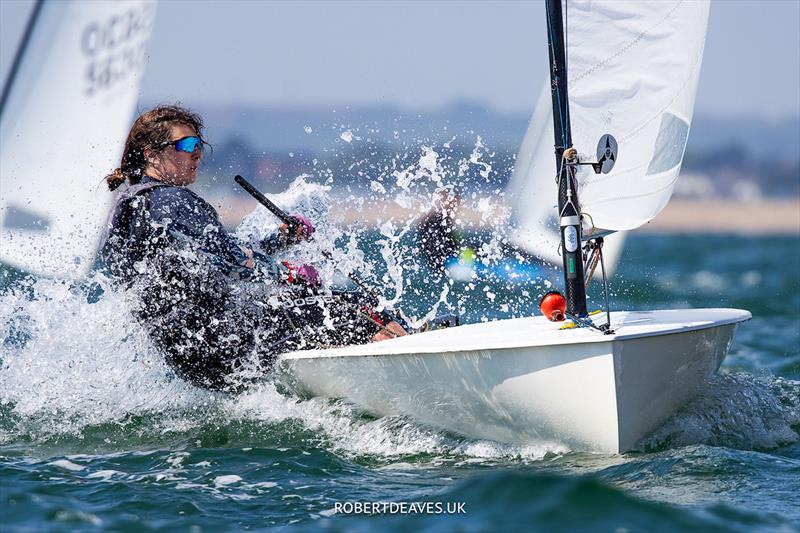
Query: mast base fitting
553	306
586	322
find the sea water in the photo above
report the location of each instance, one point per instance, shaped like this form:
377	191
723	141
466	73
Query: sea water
97	433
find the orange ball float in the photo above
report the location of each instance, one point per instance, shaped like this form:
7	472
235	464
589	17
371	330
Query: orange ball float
553	306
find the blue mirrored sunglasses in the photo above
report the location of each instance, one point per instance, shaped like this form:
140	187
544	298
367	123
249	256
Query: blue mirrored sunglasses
186	144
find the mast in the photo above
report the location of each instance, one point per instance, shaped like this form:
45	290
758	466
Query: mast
568	206
26	37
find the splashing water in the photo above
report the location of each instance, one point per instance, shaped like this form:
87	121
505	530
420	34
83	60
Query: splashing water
74	364
73	361
85	365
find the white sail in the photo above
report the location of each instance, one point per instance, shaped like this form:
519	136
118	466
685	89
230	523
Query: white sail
62	129
531	192
633	68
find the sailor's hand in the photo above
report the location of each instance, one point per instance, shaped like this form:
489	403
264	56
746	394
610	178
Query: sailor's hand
303	231
394	330
249	262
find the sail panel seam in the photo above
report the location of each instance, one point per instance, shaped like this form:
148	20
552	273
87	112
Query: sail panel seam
628	46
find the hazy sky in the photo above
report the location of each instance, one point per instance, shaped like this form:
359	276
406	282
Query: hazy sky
422	54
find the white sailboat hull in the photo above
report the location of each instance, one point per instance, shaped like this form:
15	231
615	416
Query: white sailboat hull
526	381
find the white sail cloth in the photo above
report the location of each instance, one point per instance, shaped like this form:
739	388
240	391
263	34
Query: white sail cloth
63	127
531	190
633	71
532	194
633	68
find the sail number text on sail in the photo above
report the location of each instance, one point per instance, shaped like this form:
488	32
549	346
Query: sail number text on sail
115	47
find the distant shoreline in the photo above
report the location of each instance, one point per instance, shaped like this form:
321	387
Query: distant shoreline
766	217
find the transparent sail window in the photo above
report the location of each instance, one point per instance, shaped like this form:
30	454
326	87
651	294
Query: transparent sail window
670	144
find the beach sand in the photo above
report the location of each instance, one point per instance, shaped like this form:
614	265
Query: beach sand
767	217
706	216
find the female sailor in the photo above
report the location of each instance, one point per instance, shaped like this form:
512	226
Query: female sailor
219	311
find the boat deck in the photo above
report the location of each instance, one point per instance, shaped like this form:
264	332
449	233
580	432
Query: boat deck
536	331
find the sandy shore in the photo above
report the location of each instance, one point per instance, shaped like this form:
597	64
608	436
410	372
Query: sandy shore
756	218
770	217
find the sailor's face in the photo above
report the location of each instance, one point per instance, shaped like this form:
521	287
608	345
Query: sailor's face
175	166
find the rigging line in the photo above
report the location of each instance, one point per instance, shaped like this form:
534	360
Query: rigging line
359	313
569	202
363	314
26	37
605	289
573	185
559	177
566	55
590	267
561	213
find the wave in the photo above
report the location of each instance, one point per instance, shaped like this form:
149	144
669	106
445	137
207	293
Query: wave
506	499
737	410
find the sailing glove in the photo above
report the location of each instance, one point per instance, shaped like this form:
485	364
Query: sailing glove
306	228
304	275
